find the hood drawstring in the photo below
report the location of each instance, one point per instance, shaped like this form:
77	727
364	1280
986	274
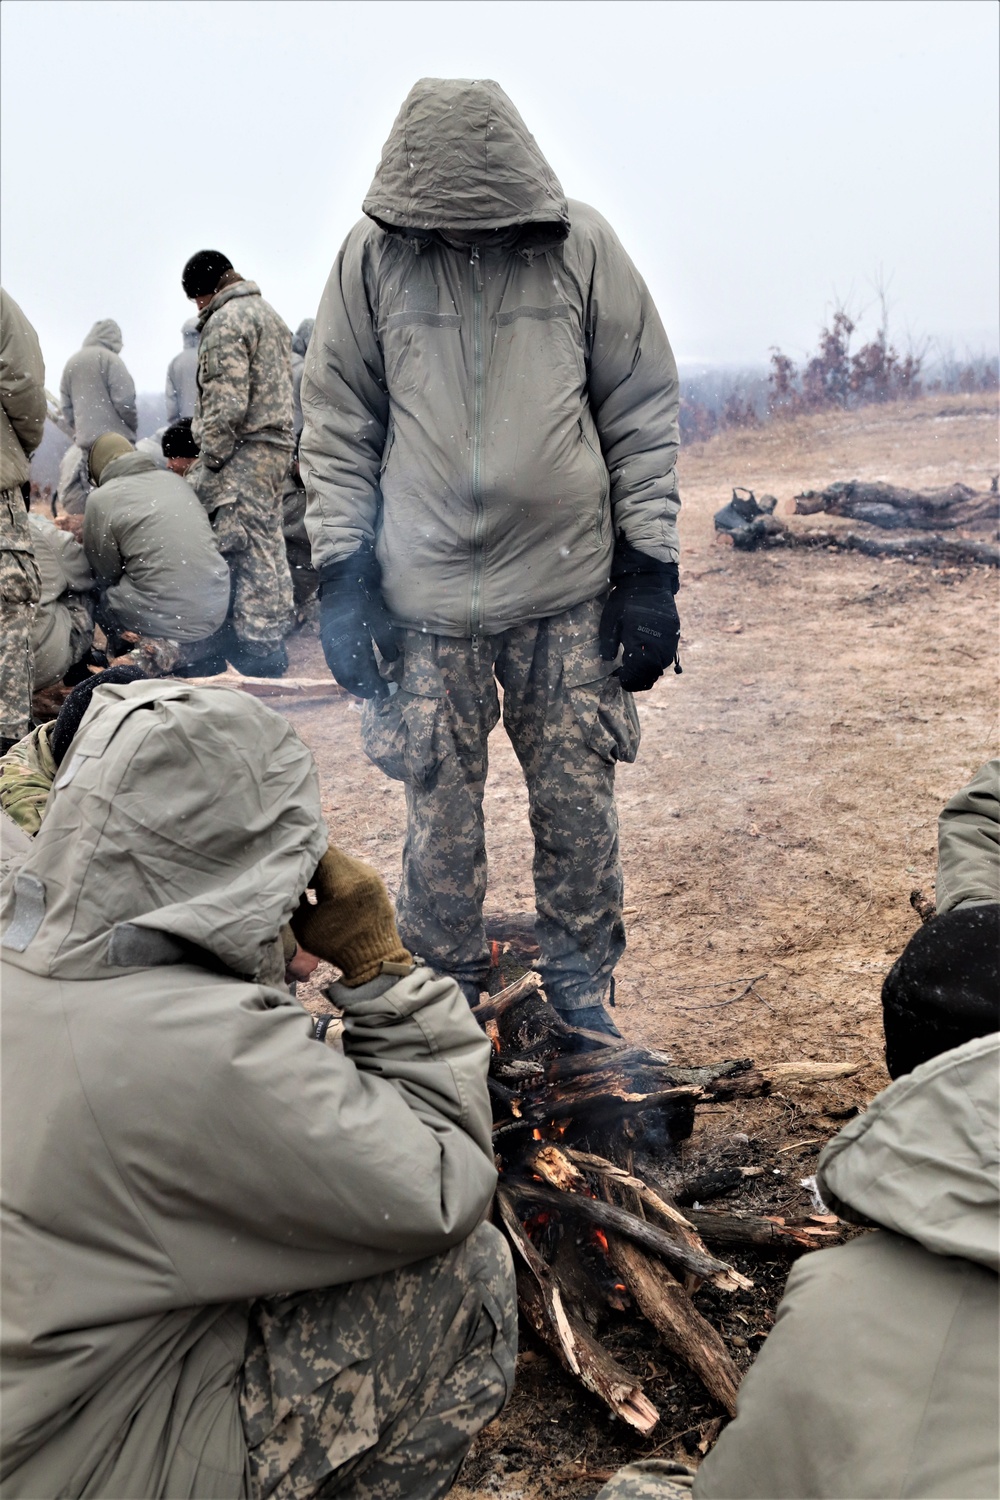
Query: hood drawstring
476	263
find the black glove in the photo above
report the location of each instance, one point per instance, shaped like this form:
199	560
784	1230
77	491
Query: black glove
352	614
641	616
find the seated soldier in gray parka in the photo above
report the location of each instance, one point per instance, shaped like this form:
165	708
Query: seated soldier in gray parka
62	627
238	1262
149	542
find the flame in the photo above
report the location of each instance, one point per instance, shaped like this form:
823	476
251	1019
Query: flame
620	1286
536	1134
601	1239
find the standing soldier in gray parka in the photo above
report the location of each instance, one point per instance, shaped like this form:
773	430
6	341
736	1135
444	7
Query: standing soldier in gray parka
181	390
490	433
243	427
22	420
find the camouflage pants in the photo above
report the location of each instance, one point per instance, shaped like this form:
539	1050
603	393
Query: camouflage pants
305	579
569	722
243	501
20	591
649	1479
376	1389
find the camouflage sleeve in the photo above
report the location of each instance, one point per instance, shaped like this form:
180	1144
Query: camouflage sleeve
223	391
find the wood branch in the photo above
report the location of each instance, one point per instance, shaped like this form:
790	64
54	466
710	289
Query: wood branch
736	1230
713	1184
808	1072
610	1217
274	687
661	1298
599	1104
619	1057
767	532
489	1010
577	1350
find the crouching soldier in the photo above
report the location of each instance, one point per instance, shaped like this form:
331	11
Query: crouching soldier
243	426
237	1261
62	628
164	586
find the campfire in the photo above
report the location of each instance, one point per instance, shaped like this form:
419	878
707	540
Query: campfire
584	1128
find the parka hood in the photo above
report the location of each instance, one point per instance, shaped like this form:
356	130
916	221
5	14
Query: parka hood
459	158
302	335
107	334
180	810
189	332
924	1159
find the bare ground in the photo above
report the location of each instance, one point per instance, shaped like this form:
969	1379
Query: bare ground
782	807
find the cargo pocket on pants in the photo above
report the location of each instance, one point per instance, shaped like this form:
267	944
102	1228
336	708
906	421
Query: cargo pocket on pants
605	713
407	735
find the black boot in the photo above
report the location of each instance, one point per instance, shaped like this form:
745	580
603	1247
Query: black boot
590	1018
259	660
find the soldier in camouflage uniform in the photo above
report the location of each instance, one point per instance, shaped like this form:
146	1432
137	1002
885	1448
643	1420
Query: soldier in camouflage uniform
22	419
243	426
490	407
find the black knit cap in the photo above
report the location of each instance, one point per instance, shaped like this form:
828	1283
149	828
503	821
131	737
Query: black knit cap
178	441
71	714
944	989
203	273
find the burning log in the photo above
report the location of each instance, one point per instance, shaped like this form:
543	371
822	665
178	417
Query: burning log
578	1351
588	1232
738	1231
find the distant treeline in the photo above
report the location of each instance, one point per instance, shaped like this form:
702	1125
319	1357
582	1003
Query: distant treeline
714	399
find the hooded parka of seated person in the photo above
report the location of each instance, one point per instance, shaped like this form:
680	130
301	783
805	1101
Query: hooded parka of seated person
236	1261
97	391
490	431
62	627
152	550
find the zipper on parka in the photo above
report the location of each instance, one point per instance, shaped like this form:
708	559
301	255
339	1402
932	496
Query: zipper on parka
479	377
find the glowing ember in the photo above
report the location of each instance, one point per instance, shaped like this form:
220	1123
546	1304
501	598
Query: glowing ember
536	1134
601	1239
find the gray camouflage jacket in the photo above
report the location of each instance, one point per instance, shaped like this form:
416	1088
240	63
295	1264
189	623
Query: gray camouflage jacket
244	375
492	414
97	391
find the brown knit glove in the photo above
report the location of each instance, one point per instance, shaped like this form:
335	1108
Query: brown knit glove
352	924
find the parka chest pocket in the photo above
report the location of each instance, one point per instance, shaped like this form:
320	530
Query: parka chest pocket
414	345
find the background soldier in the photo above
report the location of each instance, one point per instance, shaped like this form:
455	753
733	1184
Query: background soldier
490	433
243	426
182	376
22	419
98	395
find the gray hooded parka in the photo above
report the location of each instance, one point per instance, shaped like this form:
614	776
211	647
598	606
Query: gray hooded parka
97	391
182	376
152	549
174	1143
490	414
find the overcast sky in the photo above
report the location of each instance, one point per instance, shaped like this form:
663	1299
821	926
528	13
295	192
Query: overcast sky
757	159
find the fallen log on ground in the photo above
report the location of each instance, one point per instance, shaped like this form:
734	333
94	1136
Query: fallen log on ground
768	532
732	1231
894	508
